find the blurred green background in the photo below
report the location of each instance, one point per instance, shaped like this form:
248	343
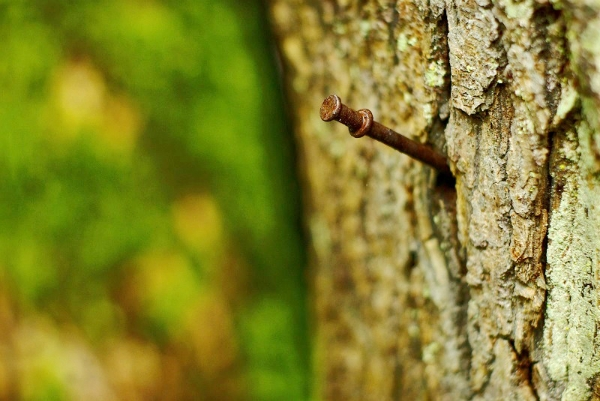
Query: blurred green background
150	244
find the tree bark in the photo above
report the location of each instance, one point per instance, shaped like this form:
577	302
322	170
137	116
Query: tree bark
486	290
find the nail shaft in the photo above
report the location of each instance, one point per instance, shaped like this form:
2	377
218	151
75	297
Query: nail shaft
361	123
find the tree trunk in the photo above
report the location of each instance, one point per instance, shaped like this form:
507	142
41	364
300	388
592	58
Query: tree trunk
486	290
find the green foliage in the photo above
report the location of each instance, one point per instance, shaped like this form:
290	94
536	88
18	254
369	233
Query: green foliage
112	112
266	331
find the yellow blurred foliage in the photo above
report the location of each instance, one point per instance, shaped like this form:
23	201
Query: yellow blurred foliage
83	103
165	288
122	123
54	363
197	222
210	330
80	95
135	368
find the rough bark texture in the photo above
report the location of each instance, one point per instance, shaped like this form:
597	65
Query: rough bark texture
487	290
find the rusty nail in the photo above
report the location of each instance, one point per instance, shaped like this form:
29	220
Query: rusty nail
360	123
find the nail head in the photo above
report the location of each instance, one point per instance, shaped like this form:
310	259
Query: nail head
331	108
